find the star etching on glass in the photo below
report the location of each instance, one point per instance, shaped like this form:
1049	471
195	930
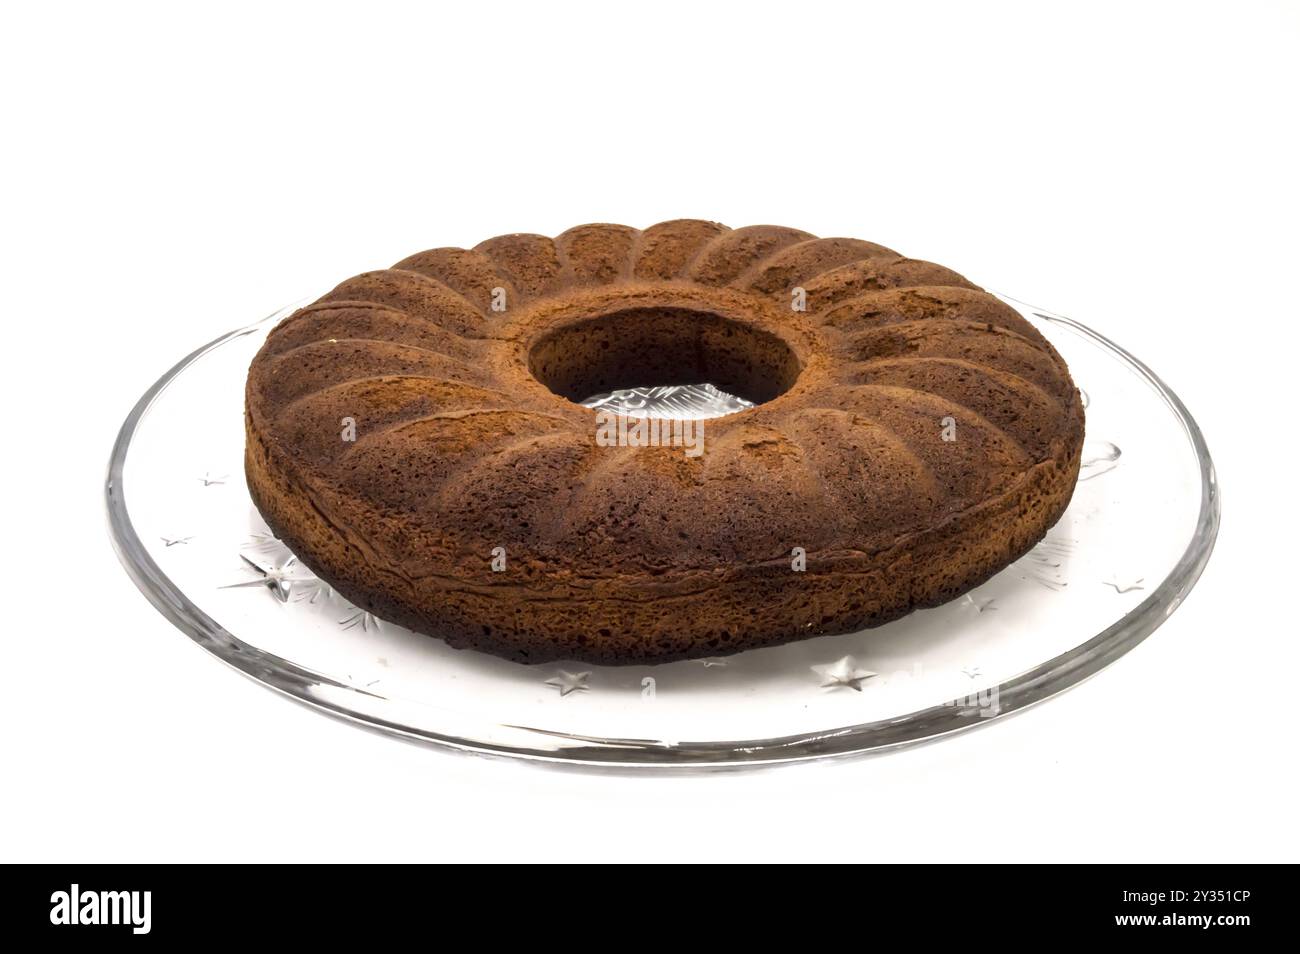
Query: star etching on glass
360	619
568	682
844	673
279	578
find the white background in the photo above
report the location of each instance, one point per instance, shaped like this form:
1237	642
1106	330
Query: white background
168	175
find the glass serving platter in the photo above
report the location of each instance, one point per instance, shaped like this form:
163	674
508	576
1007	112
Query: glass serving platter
1133	542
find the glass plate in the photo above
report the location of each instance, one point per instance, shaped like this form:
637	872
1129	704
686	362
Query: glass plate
1133	542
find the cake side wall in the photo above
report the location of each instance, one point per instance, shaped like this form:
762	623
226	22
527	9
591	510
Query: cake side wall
627	623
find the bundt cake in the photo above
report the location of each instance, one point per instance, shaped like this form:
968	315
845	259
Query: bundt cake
416	438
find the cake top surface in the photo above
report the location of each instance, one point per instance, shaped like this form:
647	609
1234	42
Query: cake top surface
891	395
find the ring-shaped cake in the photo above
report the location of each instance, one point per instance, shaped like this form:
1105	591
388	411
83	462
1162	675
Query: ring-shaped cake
415	437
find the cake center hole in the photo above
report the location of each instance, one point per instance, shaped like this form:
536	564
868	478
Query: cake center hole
664	362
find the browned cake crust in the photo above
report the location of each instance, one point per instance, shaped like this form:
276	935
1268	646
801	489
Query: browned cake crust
917	436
